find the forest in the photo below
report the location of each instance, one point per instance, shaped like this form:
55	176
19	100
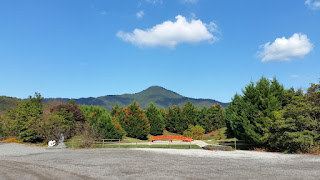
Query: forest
265	114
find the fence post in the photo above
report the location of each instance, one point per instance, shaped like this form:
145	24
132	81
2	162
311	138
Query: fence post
119	143
102	143
235	144
190	145
72	143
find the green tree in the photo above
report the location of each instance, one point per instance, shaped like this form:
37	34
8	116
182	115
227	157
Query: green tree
249	115
24	121
102	122
116	110
73	117
204	120
215	116
175	122
134	121
293	128
190	114
155	119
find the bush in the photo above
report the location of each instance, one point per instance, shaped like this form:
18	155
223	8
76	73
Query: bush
12	140
196	132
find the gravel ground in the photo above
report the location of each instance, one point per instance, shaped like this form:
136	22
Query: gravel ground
24	162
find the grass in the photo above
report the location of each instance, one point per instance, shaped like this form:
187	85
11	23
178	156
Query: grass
75	142
218	135
145	146
167	133
12	140
132	140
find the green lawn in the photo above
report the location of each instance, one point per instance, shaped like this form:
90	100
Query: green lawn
145	146
75	142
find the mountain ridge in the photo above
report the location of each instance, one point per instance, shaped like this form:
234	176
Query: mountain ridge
161	97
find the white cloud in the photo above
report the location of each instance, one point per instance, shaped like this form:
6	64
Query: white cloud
189	1
140	14
313	4
294	76
169	34
282	49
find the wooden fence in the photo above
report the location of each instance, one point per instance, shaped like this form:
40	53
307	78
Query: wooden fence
235	143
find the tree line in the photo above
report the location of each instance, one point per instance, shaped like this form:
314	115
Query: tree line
35	121
269	116
266	115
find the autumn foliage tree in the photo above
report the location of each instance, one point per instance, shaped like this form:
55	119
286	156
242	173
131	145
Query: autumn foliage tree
134	121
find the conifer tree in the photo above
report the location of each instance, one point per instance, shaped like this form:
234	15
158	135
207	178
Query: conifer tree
190	114
155	119
249	115
134	121
175	122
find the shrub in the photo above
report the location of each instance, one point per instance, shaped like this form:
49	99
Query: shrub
196	132
12	140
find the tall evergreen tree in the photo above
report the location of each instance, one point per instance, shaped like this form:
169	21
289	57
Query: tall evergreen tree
134	121
204	121
155	119
175	122
24	121
249	115
190	114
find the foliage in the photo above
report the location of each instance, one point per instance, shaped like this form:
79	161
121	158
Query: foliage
294	129
174	122
196	132
11	139
8	103
155	119
190	114
102	122
249	115
64	117
53	126
204	120
134	121
277	119
24	121
215	115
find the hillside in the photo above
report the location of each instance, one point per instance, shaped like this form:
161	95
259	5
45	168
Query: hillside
7	103
160	96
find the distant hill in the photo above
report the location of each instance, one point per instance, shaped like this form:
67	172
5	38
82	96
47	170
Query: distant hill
7	103
160	96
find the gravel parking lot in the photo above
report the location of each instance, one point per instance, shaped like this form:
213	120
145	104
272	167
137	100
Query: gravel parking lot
18	161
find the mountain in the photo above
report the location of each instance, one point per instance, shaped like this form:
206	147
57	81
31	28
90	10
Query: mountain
161	97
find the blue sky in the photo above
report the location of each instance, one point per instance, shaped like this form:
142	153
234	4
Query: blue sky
198	48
